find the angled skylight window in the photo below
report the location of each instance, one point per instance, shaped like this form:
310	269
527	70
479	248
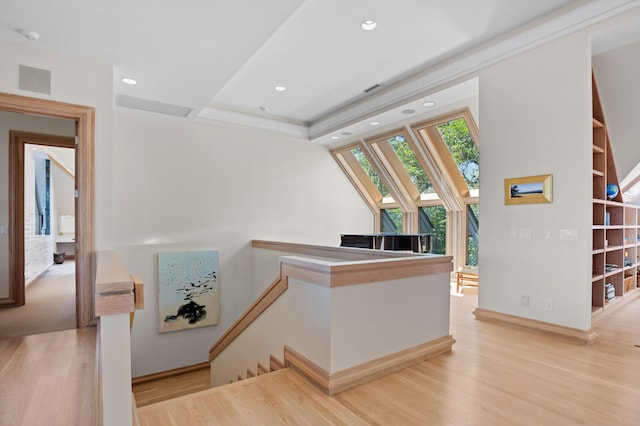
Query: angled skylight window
373	175
411	164
458	139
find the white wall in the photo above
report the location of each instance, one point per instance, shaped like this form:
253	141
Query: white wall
536	119
373	320
22	122
186	186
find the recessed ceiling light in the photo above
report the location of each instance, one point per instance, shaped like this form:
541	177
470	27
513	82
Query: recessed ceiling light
335	137
428	104
408	111
280	88
129	81
374	123
368	25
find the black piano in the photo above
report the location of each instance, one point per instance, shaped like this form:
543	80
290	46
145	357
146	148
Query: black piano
417	243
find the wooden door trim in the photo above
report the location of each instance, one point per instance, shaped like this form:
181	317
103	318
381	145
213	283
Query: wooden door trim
84	118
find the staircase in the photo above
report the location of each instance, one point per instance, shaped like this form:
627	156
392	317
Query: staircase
274	365
279	397
186	381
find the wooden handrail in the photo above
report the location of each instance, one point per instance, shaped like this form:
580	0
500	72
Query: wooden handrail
265	300
138	296
114	286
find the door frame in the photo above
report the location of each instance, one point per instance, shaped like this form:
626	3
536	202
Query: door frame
84	118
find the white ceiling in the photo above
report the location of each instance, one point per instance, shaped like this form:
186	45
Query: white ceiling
223	59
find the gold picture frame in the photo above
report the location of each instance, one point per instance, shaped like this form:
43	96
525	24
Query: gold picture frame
528	190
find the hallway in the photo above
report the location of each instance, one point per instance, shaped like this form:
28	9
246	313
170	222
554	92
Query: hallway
50	304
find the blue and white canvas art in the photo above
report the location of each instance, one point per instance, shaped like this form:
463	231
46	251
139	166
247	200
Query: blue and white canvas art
189	291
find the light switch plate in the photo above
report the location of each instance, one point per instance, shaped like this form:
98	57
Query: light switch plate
569	234
524	233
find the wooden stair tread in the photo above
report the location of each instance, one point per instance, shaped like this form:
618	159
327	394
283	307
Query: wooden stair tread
282	388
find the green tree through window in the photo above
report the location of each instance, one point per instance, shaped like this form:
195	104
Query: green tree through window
473	216
463	149
433	220
391	221
364	162
411	164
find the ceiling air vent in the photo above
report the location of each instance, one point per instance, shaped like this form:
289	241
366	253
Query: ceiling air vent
34	79
152	106
375	86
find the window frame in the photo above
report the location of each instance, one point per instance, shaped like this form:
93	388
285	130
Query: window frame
437	162
362	182
429	136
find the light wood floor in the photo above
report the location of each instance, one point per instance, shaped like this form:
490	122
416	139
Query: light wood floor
48	379
158	390
495	375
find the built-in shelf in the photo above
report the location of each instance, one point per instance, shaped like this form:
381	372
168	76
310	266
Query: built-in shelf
615	226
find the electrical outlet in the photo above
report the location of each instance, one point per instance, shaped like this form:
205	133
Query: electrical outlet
524	301
548	305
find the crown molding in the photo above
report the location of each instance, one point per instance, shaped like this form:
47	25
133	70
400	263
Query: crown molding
215	113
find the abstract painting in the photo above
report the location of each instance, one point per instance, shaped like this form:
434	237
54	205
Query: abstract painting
189	292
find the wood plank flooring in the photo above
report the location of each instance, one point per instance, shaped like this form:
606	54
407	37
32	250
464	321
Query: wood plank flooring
495	375
158	390
48	379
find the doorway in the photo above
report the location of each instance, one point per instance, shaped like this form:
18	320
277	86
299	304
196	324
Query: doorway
83	117
43	184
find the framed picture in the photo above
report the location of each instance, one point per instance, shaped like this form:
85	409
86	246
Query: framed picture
189	291
528	190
